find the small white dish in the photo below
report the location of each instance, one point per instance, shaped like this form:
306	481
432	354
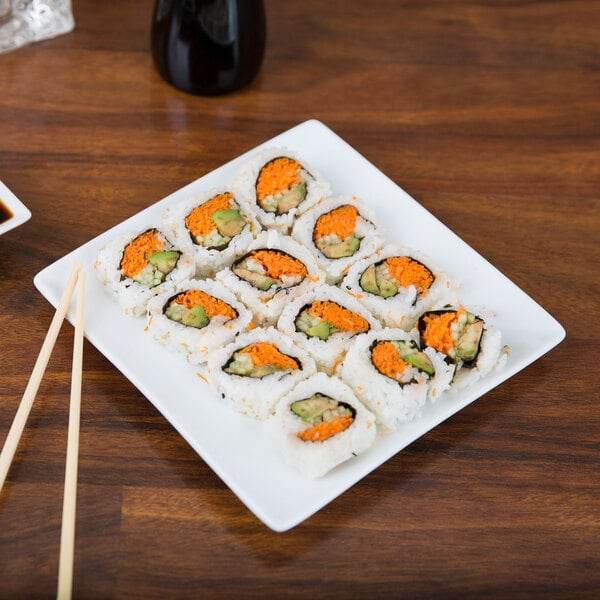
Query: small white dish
12	211
236	447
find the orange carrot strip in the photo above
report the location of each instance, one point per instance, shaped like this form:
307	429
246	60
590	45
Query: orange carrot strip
277	176
199	222
137	252
407	271
353	294
266	353
339	317
150	319
340	221
326	429
279	264
212	306
338	362
387	360
438	330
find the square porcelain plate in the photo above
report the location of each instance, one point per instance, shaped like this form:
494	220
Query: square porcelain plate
18	213
234	446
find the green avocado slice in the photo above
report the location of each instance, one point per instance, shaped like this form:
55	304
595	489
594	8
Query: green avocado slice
310	409
421	361
195	317
386	287
321	330
347	247
410	352
368	280
192	317
229	222
291	198
164	260
467	345
264	370
258	280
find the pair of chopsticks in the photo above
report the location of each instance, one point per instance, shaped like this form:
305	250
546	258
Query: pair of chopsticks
67	538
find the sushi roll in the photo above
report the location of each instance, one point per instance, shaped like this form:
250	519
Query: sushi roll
339	231
278	186
398	284
213	227
254	371
324	322
133	266
392	376
466	340
321	424
196	317
274	270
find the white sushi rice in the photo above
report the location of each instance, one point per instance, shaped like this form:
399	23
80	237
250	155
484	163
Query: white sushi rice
371	236
391	402
244	186
315	459
402	309
444	373
268	304
132	296
327	353
256	397
208	260
196	344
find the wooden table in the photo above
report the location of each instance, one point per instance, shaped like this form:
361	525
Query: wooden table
488	114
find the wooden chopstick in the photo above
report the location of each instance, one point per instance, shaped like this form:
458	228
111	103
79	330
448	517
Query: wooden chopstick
67	536
18	424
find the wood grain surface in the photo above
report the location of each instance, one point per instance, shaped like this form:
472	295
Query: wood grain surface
488	113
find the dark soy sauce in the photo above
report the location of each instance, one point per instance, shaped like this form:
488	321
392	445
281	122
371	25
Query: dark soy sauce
5	212
208	47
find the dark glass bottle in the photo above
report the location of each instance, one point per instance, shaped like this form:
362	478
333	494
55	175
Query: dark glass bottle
208	47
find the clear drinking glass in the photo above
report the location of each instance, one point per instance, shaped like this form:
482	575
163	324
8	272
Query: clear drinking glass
25	21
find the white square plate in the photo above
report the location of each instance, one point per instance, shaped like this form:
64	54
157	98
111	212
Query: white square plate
234	446
18	211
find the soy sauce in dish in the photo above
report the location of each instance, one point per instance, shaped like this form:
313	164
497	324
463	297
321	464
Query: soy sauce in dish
5	212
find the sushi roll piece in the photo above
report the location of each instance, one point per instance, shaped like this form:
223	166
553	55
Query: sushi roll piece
398	284
254	371
195	318
392	376
321	424
274	270
278	185
466	340
132	268
213	227
324	322
339	231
